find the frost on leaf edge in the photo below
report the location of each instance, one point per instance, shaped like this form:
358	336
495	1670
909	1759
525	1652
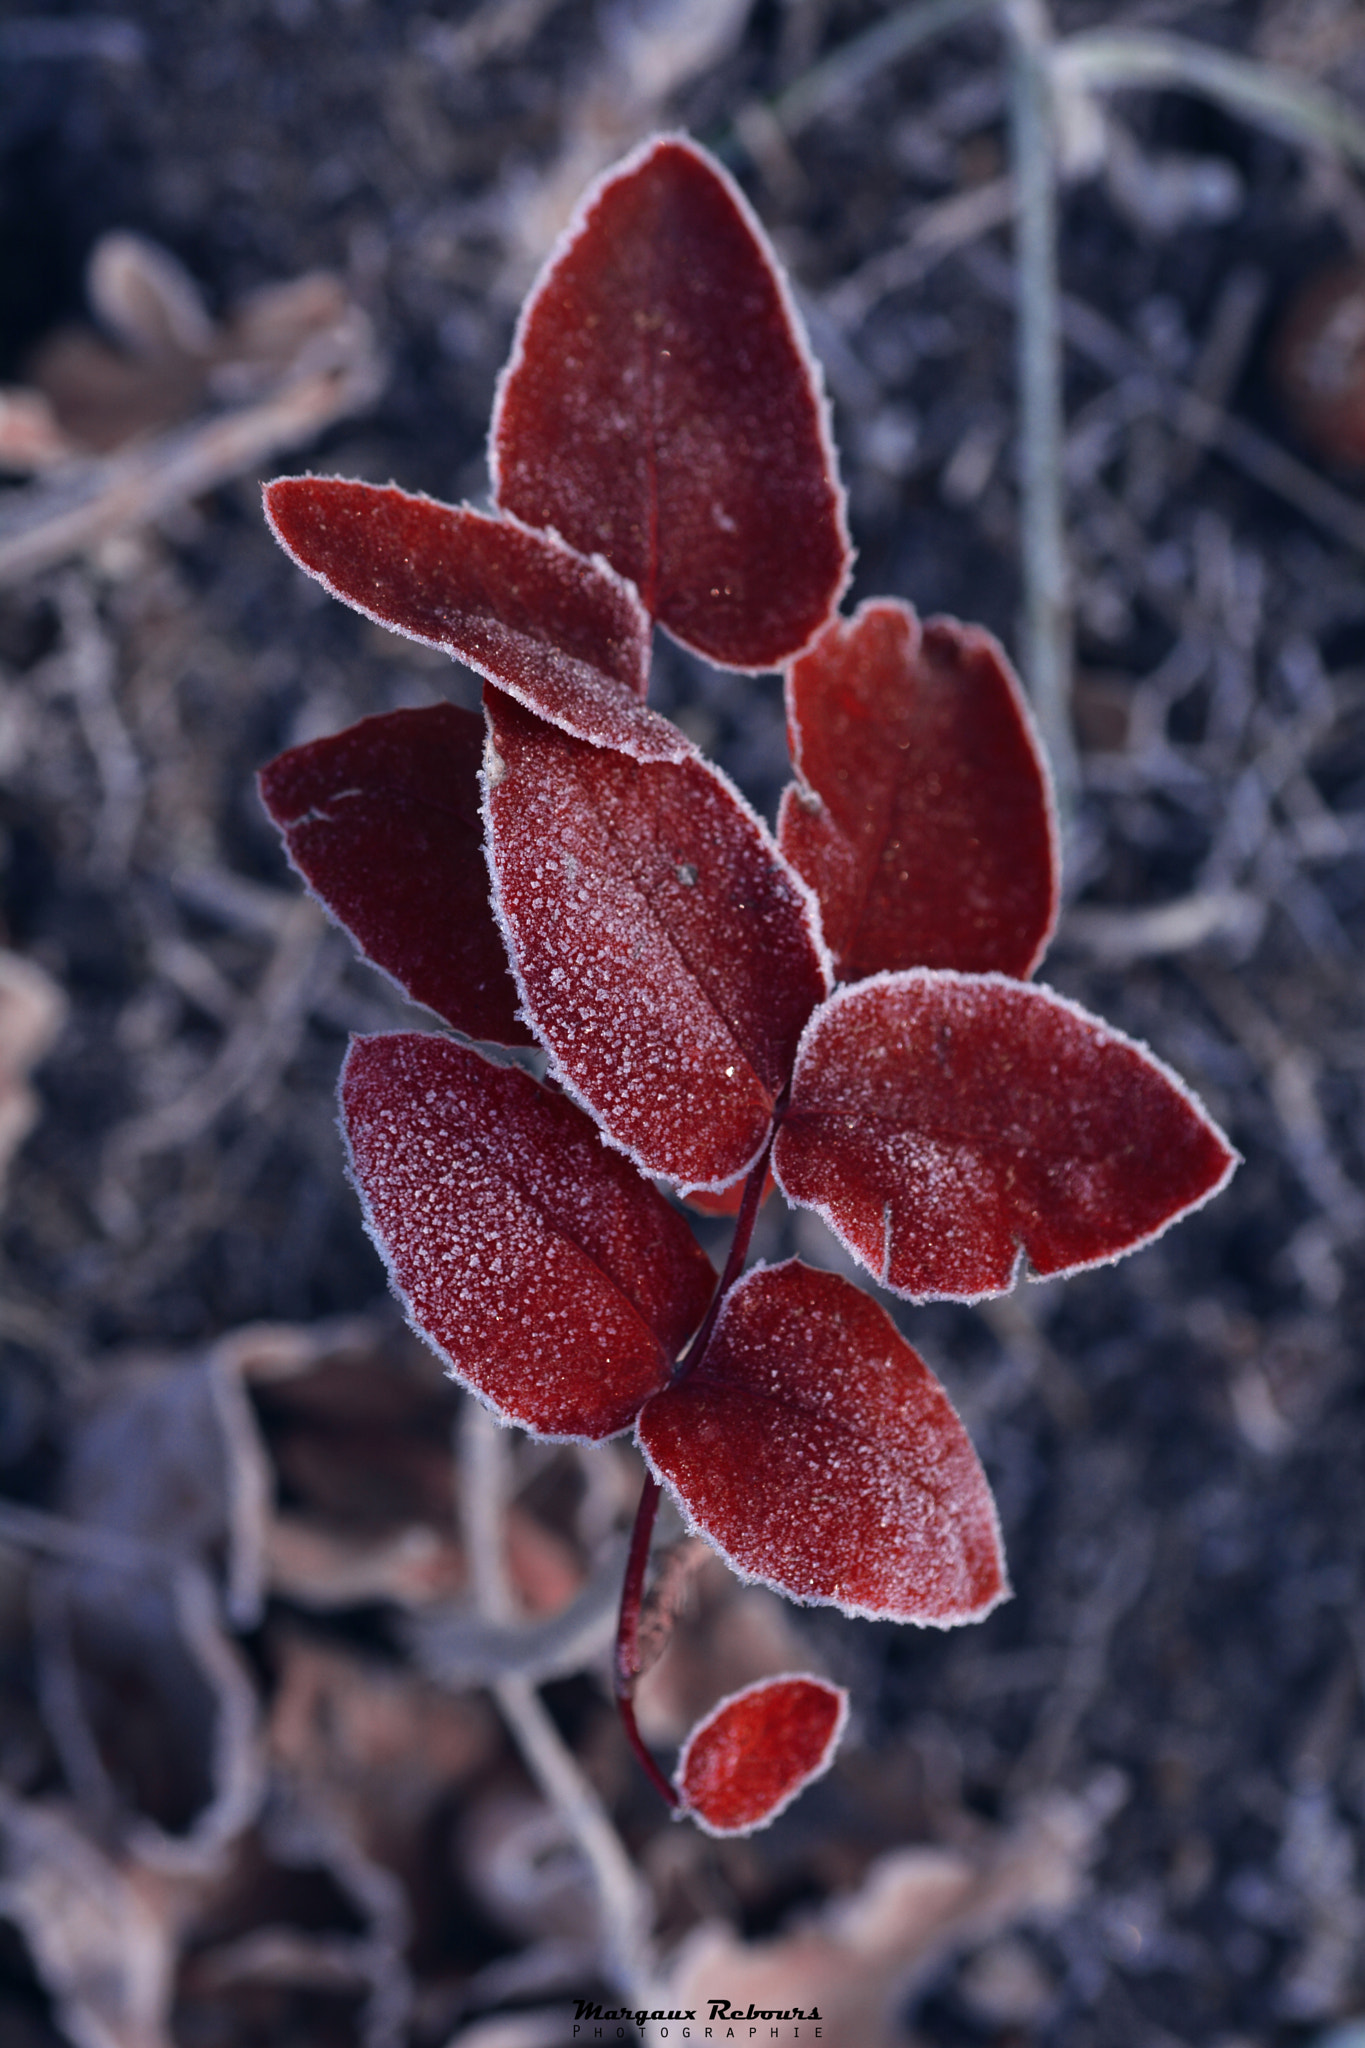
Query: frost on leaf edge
565	240
490	775
680	747
457	1031
966	1618
686	1812
451	1370
802	792
1021	1267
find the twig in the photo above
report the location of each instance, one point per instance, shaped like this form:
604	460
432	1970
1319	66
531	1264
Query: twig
627	1664
625	1908
1047	614
1253	452
1119	937
78	1542
78	508
469	1649
936	231
90	674
863	56
1276	99
260	1045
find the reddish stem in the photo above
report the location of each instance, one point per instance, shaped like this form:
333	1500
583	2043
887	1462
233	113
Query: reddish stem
627	1663
738	1253
627	1669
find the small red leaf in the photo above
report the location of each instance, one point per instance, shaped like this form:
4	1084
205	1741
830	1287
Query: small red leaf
662	408
665	952
565	636
551	1278
947	1125
819	1454
382	821
757	1750
923	819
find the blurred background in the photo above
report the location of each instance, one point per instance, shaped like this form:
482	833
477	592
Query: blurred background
254	1789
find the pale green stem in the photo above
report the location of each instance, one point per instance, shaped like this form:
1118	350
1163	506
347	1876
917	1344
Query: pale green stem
1293	107
1042	504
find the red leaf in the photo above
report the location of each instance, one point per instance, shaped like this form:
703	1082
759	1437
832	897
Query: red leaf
382	821
551	1278
819	1454
662	408
946	1125
565	636
758	1749
923	819
665	952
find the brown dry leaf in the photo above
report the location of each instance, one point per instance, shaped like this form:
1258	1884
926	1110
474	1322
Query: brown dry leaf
356	1420
325	1567
860	1957
147	1697
102	1934
109	418
375	1744
545	1572
526	1870
32	1009
166	356
30	438
301	1938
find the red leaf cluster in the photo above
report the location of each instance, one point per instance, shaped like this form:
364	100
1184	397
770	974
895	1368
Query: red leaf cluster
661	455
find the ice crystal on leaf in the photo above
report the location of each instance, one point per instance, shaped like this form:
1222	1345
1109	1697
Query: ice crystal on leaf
658	363
661	454
818	1453
757	1749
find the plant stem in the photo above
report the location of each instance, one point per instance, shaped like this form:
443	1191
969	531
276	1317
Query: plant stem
623	1899
626	1667
749	1207
1292	107
1047	614
627	1661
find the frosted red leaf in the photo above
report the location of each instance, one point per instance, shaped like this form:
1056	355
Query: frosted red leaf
948	1126
551	1278
923	816
818	1453
755	1751
565	636
382	821
666	953
662	408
